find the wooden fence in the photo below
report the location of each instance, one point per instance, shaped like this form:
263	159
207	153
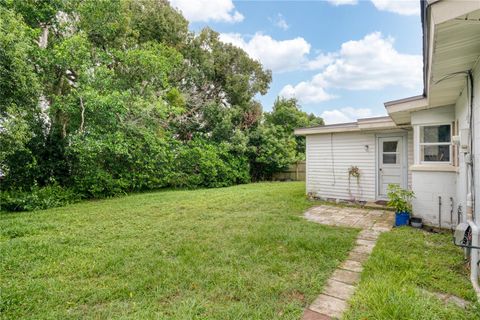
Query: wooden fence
295	172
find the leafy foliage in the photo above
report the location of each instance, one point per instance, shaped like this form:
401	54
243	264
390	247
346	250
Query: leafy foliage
37	198
108	97
399	199
288	115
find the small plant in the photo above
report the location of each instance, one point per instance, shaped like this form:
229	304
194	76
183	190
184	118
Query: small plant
354	171
400	199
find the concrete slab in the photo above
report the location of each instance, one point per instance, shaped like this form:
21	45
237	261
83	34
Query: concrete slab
338	289
352	265
312	315
346	276
329	306
368	234
363	242
363	249
358	256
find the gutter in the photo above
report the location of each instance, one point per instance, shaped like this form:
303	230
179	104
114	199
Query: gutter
425	36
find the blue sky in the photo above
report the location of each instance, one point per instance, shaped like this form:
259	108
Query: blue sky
340	58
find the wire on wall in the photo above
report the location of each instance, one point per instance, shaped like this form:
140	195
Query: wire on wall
331	155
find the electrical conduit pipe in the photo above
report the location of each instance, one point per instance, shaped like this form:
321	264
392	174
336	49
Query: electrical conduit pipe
474	257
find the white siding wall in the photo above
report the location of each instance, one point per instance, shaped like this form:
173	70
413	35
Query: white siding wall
329	156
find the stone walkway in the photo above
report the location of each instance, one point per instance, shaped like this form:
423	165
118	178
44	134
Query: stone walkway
332	302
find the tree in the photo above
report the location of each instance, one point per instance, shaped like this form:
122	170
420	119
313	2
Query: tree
20	116
272	149
287	114
109	96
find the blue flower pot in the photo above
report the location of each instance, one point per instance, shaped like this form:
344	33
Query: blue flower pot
401	218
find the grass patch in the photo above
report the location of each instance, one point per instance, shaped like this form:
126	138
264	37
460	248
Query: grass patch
405	262
242	252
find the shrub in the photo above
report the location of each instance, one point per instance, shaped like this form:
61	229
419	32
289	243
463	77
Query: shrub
202	164
37	198
112	164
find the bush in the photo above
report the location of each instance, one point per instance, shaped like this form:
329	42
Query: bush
114	164
202	164
37	198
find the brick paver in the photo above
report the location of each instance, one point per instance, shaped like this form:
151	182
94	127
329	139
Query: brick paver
333	301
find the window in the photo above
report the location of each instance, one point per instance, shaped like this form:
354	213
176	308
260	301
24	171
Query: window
435	143
390	152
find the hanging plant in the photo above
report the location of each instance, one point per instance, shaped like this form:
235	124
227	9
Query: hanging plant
354	171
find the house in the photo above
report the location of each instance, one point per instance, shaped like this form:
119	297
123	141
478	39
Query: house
428	143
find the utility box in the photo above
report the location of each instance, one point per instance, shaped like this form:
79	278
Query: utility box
464	139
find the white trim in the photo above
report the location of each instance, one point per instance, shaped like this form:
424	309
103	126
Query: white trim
376	123
433	167
419	144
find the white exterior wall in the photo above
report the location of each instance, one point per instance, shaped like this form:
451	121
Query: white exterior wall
461	115
330	155
476	150
430	184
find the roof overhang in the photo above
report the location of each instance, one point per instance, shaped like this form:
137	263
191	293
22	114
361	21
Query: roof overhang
367	124
400	110
451	48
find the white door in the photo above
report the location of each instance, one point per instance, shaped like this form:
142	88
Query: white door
390	163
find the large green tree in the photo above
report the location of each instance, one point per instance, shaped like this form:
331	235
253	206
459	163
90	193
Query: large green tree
111	96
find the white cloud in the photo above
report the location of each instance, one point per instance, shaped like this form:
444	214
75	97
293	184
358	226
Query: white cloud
346	115
367	64
306	93
403	7
208	10
319	61
343	2
280	22
277	55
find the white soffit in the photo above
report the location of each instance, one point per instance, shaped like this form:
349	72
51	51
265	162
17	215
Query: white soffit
399	110
456	48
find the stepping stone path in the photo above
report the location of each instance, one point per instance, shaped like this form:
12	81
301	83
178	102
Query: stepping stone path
333	301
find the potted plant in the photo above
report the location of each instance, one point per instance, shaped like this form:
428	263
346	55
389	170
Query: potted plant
400	200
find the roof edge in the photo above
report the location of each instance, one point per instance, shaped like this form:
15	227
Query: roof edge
403	100
374	123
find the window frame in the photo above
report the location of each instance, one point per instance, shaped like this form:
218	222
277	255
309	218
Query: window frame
422	144
396	153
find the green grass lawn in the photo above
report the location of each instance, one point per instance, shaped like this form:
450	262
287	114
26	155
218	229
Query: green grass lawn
403	266
242	252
